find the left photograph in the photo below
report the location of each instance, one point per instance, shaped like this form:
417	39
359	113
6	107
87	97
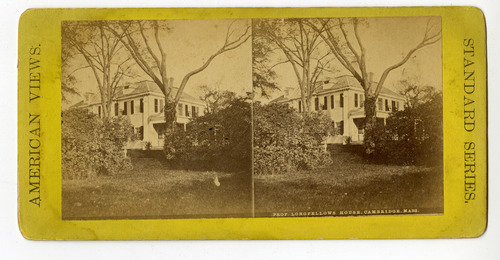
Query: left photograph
156	119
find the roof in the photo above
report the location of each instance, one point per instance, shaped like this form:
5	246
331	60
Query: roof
136	89
278	99
351	82
338	83
147	86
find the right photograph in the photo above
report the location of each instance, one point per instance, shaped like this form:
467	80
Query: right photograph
347	116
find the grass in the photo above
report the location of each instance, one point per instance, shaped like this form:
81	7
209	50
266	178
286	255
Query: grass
351	184
151	191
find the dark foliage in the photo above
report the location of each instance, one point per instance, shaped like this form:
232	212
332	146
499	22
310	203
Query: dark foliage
219	141
413	135
91	146
285	140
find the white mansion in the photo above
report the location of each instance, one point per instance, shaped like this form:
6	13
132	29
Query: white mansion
342	99
143	104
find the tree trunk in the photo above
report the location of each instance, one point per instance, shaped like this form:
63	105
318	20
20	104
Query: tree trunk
170	120
370	123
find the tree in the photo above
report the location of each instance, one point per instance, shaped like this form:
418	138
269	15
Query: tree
414	93
102	53
342	37
415	135
215	100
143	40
67	78
302	49
263	75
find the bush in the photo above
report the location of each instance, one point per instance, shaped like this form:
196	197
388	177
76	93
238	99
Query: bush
285	140
91	146
218	141
413	135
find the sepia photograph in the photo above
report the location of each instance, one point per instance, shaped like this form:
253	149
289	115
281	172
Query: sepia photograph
348	116
251	118
156	119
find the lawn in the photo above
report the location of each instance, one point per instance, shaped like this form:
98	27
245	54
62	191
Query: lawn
351	186
152	191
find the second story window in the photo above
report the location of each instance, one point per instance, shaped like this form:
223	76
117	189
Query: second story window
387	108
125	108
316	104
341	100
394	107
116	108
356	100
300	106
325	103
187	110
156	105
141	105
131	107
332	102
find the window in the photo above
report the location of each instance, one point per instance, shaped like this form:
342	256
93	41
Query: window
341	100
131	107
99	110
394	106
380	104
316	104
187	110
300	106
156	105
160	129
116	108
179	110
141	105
332	102
361	100
162	107
387	108
125	108
325	103
194	111
355	100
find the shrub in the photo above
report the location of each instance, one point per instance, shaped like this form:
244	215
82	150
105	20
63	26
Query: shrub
285	140
413	135
219	140
91	146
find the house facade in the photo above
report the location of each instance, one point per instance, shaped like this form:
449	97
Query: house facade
143	103
342	99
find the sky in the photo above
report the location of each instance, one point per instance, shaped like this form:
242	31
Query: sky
188	44
386	41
